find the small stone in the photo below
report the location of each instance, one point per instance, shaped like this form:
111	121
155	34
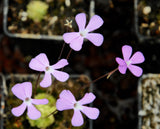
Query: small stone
142	113
67	3
144	25
146	10
152	24
53	20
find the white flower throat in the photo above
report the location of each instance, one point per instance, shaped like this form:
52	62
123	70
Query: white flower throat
83	33
49	69
27	101
128	62
77	106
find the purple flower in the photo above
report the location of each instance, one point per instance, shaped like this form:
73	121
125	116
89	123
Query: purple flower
67	101
129	61
41	63
75	39
23	91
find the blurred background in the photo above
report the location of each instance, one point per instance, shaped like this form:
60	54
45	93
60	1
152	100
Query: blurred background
116	96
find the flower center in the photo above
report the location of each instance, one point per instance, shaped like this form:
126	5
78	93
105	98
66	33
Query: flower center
47	68
128	62
27	101
84	33
77	106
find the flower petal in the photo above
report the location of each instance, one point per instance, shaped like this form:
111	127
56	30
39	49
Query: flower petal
39	101
88	98
39	62
76	44
22	90
47	80
126	51
18	91
77	119
28	88
94	23
66	100
90	112
42	58
36	65
67	95
122	69
137	58
122	65
95	38
136	70
120	61
60	76
60	64
68	37
81	20
18	111
33	113
64	104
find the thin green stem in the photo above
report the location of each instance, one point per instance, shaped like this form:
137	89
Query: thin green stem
52	113
69	54
35	89
107	74
61	51
52	89
110	73
99	78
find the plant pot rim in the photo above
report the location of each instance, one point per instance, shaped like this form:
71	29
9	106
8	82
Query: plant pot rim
36	36
142	38
4	92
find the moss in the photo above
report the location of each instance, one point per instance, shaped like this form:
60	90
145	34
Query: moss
44	121
37	10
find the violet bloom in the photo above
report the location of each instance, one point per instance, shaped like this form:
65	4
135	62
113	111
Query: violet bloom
23	91
41	63
75	39
128	61
67	101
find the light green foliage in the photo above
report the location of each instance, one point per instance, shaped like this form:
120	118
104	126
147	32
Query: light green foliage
37	10
45	110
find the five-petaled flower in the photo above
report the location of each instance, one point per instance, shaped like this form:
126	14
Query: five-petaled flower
23	91
75	39
41	63
129	61
67	101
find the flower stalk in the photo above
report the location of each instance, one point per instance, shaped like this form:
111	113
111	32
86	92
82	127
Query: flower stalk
35	89
106	74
